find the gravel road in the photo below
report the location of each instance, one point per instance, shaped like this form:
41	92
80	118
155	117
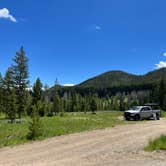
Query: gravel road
119	146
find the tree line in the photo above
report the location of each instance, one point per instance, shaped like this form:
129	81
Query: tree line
17	99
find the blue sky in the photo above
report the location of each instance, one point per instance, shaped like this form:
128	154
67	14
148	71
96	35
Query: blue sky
78	39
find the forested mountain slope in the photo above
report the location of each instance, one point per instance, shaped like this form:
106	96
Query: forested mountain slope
120	78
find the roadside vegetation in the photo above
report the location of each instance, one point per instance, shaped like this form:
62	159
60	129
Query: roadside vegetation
16	133
159	143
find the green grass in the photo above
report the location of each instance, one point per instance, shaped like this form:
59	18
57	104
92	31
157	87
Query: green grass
13	134
159	143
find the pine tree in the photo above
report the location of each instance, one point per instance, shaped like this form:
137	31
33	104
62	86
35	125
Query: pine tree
76	106
29	98
1	94
21	75
62	108
93	106
56	99
11	106
35	126
49	108
154	94
83	105
10	96
162	95
56	103
37	91
121	104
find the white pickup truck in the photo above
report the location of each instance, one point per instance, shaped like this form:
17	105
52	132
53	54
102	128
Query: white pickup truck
142	112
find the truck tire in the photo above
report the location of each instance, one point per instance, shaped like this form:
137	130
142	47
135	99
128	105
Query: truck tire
128	118
137	117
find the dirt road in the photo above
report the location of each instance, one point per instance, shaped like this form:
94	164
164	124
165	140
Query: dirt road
118	146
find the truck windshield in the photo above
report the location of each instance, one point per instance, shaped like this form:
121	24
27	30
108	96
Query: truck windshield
135	108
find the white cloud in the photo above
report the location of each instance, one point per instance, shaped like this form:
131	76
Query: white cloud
4	13
68	85
98	28
161	64
164	54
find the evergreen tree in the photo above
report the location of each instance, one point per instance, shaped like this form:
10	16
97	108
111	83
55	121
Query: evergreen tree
56	99
29	103
35	126
49	108
37	91
83	106
162	91
76	106
62	108
93	106
154	94
56	103
8	79
1	95
121	104
37	95
11	106
21	75
10	96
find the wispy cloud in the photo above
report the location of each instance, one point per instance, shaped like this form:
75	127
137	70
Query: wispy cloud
98	28
161	64
4	13
94	27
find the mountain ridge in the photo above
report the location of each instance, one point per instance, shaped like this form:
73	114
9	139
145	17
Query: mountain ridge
121	78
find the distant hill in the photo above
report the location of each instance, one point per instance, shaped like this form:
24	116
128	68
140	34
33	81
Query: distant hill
119	78
116	81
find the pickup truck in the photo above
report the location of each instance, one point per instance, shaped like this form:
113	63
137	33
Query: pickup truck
142	112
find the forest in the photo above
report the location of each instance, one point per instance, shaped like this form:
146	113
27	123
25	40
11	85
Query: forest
18	100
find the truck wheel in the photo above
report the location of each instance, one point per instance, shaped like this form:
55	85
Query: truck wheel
127	118
137	117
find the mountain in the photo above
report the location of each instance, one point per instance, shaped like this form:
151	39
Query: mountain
119	78
112	82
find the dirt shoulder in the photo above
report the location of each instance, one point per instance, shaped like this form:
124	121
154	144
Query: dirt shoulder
119	146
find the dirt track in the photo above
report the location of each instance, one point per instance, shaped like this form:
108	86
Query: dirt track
118	146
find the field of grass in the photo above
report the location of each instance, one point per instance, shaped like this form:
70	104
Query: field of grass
159	143
13	134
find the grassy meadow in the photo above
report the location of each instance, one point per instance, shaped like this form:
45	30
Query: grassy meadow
13	134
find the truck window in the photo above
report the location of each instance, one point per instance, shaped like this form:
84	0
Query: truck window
147	109
143	109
